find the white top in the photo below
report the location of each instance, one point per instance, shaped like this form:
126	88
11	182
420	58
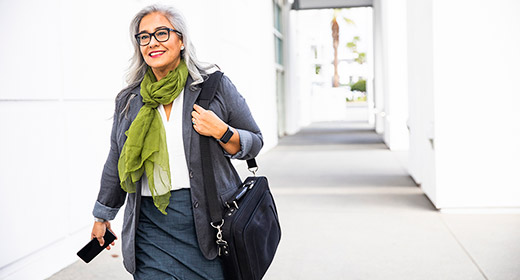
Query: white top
175	143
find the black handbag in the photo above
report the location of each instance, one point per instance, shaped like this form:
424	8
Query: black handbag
247	228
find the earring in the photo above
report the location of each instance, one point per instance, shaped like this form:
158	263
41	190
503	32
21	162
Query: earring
182	48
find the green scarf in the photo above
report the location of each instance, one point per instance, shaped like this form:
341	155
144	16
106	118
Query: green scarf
145	148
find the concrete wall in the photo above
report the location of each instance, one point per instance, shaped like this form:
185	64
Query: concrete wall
463	68
61	67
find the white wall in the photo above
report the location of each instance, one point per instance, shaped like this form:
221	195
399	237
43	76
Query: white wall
467	86
59	78
241	43
300	69
379	96
391	95
476	70
420	92
55	110
293	81
372	111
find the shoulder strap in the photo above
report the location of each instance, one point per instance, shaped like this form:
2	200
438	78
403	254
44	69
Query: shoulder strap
209	87
210	189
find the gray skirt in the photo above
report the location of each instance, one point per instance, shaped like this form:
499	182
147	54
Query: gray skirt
166	246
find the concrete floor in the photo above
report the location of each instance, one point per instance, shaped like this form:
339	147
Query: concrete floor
349	210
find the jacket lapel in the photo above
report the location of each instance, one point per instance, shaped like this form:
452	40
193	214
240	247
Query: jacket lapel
190	96
136	103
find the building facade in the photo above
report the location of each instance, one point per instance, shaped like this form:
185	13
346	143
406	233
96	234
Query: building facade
61	70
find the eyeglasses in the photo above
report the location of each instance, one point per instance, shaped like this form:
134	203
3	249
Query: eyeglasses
161	35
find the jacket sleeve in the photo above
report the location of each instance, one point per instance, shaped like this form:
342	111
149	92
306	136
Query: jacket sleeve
239	116
111	196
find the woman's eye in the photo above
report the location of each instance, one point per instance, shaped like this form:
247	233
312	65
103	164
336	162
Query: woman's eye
162	33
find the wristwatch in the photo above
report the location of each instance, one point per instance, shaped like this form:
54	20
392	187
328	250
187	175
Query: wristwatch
99	220
225	138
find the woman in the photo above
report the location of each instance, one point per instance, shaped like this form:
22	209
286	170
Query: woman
154	161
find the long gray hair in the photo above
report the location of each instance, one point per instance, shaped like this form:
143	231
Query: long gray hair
138	67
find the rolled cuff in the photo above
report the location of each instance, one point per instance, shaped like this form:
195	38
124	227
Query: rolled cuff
246	142
104	212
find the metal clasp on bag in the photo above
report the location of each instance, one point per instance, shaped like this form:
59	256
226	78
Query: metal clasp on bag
253	170
249	185
234	204
222	244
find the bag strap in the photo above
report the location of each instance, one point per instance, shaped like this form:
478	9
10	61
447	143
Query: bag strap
208	92
210	187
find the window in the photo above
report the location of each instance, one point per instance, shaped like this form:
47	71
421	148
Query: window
277	31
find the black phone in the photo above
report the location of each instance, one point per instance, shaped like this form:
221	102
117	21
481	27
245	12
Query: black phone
92	249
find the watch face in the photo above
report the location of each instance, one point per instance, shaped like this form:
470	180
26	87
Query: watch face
225	138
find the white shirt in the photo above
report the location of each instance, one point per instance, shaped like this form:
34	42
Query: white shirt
175	144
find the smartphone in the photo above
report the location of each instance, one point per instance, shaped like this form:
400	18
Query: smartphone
92	249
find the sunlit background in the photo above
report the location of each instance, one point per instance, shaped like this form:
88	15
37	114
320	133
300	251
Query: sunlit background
437	80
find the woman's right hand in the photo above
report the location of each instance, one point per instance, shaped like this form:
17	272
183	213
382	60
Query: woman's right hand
98	231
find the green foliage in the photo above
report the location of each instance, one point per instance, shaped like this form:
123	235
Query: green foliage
317	69
361	58
349	21
360	85
357	99
352	46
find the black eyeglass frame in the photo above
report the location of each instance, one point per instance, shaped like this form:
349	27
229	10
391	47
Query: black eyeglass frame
153	34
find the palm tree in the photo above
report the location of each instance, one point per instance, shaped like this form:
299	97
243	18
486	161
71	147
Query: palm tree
335	44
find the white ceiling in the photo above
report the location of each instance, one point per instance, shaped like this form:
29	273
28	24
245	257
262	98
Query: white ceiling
327	4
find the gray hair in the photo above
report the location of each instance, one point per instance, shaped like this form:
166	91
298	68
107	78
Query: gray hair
138	67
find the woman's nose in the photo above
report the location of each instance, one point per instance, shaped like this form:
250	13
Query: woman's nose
153	41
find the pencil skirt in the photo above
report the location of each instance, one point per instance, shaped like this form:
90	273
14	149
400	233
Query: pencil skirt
166	246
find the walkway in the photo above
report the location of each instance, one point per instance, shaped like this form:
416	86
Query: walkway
349	210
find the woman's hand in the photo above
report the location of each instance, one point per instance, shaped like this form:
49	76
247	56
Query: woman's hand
207	123
98	231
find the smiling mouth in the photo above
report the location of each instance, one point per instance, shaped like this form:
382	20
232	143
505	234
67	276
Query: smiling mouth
156	53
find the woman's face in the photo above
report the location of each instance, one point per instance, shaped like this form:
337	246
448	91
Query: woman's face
162	57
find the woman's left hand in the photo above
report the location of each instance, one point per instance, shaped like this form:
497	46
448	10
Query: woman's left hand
207	123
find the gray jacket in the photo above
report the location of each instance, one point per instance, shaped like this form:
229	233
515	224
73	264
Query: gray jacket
231	107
